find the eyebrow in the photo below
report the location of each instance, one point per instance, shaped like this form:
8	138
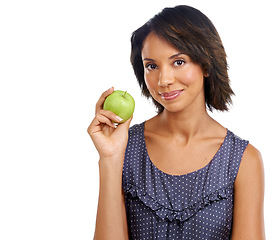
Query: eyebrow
171	57
177	55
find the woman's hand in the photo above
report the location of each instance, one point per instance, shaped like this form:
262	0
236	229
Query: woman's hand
109	138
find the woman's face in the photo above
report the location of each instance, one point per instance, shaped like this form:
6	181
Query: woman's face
172	78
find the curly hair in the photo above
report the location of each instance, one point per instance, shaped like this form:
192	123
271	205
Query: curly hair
189	31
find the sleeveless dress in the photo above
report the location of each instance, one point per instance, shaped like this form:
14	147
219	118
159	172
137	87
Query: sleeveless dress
197	205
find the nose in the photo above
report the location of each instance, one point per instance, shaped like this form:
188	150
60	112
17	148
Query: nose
165	77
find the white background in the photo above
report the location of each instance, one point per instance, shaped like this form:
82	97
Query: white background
58	56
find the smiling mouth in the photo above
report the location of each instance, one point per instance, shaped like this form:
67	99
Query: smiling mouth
171	95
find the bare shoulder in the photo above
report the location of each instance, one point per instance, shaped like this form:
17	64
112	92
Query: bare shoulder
251	165
248	214
252	153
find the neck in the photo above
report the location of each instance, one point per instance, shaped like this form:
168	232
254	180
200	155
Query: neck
187	123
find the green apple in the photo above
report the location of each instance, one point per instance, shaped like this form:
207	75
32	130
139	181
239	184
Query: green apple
121	103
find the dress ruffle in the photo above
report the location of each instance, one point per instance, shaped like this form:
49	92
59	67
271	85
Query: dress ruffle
181	214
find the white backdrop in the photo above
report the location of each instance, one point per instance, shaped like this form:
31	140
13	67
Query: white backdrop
58	56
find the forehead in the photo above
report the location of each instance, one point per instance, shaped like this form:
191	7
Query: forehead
156	47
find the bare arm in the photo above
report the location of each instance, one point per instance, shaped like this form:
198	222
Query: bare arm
111	220
111	143
248	216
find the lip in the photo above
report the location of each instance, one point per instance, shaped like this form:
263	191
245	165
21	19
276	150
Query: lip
170	95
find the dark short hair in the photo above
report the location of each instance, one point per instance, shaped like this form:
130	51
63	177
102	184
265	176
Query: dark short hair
189	31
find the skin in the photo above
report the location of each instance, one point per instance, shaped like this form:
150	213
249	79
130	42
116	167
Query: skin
185	123
185	126
111	143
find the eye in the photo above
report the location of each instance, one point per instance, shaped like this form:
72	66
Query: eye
151	66
178	63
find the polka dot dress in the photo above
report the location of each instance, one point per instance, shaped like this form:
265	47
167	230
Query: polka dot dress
197	205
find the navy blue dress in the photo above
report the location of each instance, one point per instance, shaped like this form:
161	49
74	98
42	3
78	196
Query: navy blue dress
197	205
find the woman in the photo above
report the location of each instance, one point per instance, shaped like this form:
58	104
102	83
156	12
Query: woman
180	174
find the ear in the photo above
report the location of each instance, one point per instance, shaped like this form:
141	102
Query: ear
205	71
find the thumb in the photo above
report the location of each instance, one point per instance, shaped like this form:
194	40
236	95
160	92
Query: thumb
126	124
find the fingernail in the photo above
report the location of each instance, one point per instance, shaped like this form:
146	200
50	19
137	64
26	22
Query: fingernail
119	119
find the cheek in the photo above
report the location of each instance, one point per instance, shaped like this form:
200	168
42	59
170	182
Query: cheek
150	82
152	85
192	76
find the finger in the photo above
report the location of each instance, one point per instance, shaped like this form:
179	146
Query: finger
105	117
96	124
126	124
99	104
112	116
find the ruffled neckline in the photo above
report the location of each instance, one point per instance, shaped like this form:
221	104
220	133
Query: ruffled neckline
142	179
171	214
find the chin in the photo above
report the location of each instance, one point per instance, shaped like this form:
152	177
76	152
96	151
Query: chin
176	108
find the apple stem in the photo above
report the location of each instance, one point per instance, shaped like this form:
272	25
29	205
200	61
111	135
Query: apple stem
124	93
